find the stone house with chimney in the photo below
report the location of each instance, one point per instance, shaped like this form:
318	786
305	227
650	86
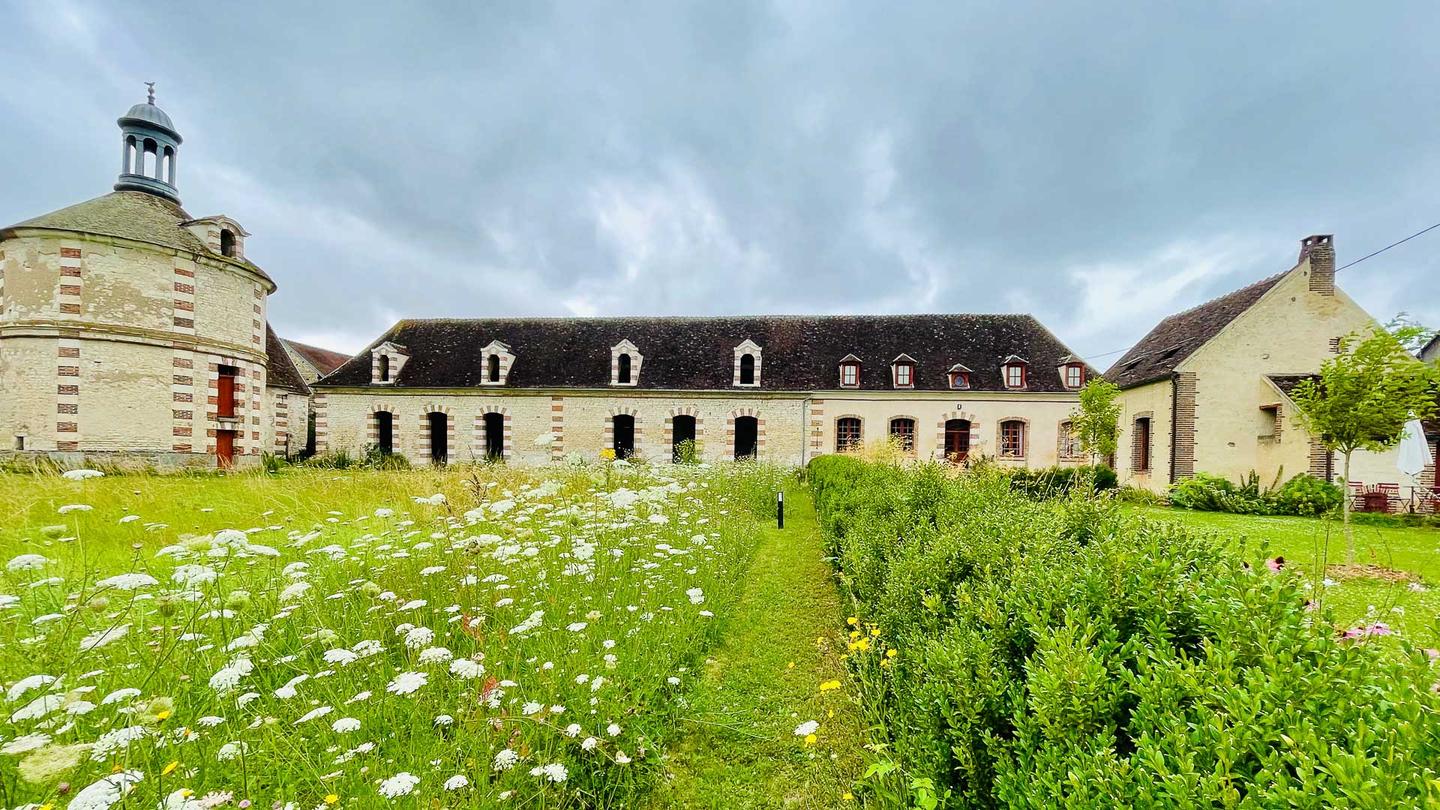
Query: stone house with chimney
1208	389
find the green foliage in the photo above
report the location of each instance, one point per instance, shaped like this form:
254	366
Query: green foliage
374	459
687	452
1367	392
271	463
1303	495
1096	422
1050	482
1061	652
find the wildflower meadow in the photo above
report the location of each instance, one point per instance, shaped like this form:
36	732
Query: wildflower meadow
513	640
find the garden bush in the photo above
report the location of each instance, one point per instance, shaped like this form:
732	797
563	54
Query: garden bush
1303	495
1017	652
1053	481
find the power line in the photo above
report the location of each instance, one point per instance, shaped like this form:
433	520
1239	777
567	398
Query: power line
1391	245
1338	269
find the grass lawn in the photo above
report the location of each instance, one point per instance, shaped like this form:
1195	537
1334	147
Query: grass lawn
784	640
1409	604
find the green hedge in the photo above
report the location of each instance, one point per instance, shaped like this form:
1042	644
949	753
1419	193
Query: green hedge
1303	495
1063	653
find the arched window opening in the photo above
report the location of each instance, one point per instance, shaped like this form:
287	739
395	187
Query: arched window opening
169	165
682	439
848	435
623	442
492	368
957	440
902	432
1012	439
227	242
385	432
384	368
747	437
150	168
622	369
747	369
131	155
494	424
437	425
1069	442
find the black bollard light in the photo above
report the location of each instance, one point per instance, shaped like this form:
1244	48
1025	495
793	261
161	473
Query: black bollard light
780	509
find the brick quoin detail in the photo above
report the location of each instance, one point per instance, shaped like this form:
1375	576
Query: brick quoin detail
816	427
759	429
1182	450
557	428
608	435
322	424
69	253
478	447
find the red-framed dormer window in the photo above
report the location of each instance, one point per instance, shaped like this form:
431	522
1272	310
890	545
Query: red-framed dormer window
850	374
1014	373
904	375
1074	375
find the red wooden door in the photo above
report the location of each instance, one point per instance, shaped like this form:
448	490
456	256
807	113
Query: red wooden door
225	394
225	448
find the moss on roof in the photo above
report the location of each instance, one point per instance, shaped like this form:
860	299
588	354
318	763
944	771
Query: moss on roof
133	215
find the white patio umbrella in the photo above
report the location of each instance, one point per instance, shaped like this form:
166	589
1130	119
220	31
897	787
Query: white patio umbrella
1414	452
1414	455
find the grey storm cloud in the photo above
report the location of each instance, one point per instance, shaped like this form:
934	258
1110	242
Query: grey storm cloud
1097	165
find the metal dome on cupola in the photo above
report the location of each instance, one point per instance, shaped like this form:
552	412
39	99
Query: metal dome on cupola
150	146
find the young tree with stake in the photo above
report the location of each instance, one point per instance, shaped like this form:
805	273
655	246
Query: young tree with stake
1363	398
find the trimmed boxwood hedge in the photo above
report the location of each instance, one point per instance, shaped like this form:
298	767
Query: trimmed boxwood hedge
1062	653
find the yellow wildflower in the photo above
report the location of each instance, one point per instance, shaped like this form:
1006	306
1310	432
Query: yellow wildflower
891	653
169	769
829	686
852	621
810	739
331	798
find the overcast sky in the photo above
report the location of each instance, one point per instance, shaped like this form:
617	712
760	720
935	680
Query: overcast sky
1099	165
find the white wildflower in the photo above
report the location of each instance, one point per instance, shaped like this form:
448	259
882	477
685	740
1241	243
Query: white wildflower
399	785
407	683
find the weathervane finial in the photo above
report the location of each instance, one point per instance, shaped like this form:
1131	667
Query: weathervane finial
150	90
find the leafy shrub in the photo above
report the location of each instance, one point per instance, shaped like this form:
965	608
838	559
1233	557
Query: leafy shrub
1302	495
1307	496
1039	653
1053	481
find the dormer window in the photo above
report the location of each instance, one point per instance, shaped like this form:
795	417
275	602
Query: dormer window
227	242
625	361
1073	374
748	364
902	371
498	360
386	360
1014	372
850	372
959	377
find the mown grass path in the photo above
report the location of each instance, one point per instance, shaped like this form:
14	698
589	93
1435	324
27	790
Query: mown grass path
785	639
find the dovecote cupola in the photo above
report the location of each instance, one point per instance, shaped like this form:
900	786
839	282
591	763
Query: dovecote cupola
150	145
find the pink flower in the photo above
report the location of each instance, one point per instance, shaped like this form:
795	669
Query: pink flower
1275	563
1432	652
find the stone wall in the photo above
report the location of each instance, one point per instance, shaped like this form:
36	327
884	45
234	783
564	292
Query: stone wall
121	342
792	428
1155	402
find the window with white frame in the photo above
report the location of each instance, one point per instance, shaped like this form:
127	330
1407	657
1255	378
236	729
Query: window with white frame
902	374
1014	372
850	372
498	361
748	364
625	362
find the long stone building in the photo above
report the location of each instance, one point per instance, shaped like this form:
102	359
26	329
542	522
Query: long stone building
783	389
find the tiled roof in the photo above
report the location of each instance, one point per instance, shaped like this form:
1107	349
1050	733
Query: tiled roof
324	360
799	353
280	371
1287	382
1180	335
132	215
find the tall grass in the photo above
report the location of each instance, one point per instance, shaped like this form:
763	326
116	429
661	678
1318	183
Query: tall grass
479	638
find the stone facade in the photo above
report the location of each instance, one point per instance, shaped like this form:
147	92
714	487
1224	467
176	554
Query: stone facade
792	428
135	335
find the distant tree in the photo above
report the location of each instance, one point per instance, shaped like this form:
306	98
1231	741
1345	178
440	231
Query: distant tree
1096	423
1363	398
1412	334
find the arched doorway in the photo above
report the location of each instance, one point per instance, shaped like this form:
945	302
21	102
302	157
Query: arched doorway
747	437
623	425
437	422
385	432
494	424
682	429
957	440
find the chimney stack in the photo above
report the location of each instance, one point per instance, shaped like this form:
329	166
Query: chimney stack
1320	250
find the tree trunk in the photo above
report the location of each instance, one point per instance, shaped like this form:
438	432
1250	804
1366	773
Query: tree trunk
1345	515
